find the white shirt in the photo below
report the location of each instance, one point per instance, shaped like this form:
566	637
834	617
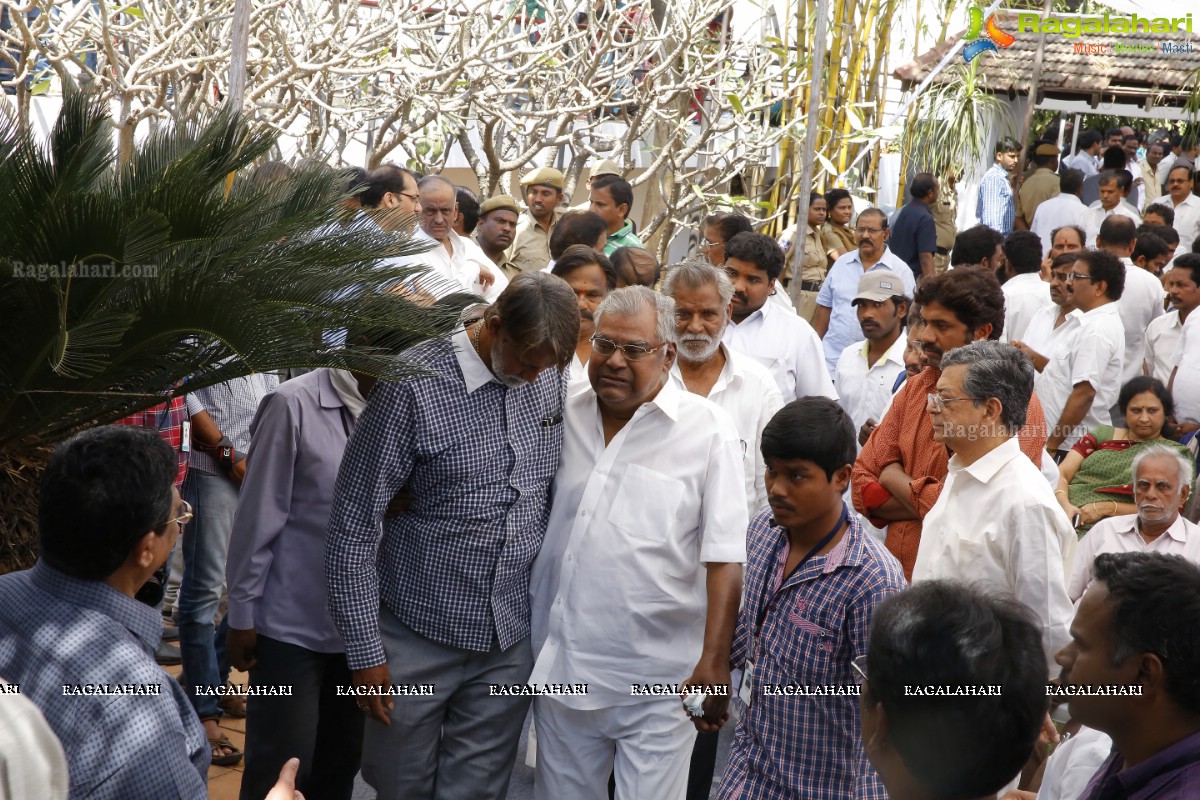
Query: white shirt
1120	535
781	298
997	524
618	590
1096	214
1073	763
788	347
1024	296
1164	169
1140	304
864	391
1062	209
459	269
1163	336
748	394
1094	352
1040	333
1186	388
1187	221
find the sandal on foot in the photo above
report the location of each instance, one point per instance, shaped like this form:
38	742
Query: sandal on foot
230	759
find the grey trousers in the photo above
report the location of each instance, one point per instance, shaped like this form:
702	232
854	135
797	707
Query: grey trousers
461	742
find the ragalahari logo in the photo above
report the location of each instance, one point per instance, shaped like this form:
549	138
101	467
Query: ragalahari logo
992	37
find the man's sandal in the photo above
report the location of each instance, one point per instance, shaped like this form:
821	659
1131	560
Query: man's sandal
230	759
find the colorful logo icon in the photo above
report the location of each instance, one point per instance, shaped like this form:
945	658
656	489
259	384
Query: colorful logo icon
993	37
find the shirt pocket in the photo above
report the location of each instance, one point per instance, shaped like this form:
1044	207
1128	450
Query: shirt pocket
811	648
647	504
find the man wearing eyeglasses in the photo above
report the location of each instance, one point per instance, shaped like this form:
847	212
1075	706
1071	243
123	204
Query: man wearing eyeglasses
108	518
638	581
1081	381
457	260
836	319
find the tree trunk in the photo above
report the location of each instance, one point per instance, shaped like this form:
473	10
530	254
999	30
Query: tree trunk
20	477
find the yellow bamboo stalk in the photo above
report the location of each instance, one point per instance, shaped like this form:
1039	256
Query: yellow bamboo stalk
851	96
833	67
785	116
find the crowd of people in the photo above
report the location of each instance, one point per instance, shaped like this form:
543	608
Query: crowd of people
919	527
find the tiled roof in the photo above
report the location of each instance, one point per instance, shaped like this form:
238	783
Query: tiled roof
1135	75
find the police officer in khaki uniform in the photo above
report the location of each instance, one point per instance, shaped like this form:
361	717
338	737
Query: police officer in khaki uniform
496	231
543	190
1042	184
945	214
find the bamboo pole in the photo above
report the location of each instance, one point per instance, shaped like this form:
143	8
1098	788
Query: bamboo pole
855	70
826	133
810	137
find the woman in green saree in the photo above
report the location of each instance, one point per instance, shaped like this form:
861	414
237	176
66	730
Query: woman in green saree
1094	479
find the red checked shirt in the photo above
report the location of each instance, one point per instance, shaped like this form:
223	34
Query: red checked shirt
166	418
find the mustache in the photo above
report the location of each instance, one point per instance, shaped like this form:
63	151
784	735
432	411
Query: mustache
930	348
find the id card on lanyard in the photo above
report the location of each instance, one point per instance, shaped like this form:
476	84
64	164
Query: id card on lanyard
746	691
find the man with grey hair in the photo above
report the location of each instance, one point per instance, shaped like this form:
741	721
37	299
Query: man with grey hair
638	582
704	365
457	260
1162	482
996	522
438	593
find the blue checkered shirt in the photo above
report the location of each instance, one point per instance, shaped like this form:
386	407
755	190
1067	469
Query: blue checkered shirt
56	630
477	459
997	208
818	621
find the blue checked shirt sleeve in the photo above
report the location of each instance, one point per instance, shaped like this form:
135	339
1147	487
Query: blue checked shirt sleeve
378	461
994	206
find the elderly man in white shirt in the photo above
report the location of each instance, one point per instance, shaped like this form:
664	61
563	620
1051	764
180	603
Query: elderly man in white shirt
1080	383
638	582
459	261
1107	206
1186	205
773	336
996	522
706	367
1142	299
867	371
1162	480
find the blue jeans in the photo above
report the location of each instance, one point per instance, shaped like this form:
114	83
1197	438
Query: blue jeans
205	548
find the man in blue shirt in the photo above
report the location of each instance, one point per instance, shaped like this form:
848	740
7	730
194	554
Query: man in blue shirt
78	643
914	231
997	203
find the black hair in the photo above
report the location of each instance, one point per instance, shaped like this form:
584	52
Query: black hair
974	295
973	245
835	196
1149	246
812	428
944	633
468	206
1163	210
1147	383
923	184
578	256
1117	231
1106	267
636	266
354	180
384	179
1111	132
876	212
1023	249
1165	232
1155	602
1180	166
1113	158
729	225
1080	232
102	491
576	227
618	188
1007	144
1190	262
1070	181
758	249
1089	139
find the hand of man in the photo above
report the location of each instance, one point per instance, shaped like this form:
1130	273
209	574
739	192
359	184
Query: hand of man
865	431
716	706
285	787
241	645
1038	360
238	472
376	706
486	278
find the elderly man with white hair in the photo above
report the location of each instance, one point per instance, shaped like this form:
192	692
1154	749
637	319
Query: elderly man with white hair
705	366
1162	481
637	584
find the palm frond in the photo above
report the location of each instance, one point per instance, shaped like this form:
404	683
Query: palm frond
118	282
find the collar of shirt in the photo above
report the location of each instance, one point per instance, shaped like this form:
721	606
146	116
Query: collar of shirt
138	618
1137	778
1191	201
1107	309
848	552
984	468
895	353
666	401
475	372
338	388
1031	278
758	316
1129	527
622	232
732	373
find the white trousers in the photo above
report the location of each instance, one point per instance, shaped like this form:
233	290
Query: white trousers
647	745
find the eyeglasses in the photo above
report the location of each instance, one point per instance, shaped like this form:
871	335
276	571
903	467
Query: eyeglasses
870	231
1079	276
604	346
859	665
937	403
416	198
706	244
184	518
433	212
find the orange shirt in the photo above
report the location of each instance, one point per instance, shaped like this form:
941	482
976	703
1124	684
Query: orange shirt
905	436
